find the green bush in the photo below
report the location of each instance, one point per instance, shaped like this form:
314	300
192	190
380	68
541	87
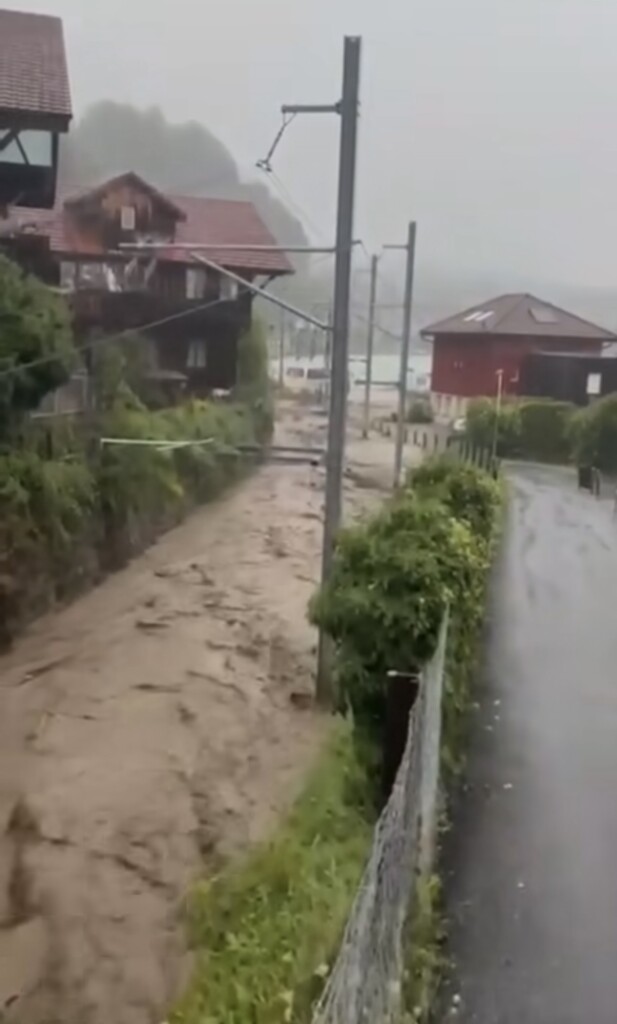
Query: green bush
469	494
536	429
419	411
480	426
34	325
545	429
67	519
394	576
594	435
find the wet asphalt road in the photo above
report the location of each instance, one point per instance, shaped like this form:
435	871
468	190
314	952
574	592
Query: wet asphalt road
532	900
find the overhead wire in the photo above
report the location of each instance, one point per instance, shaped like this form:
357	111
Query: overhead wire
109	338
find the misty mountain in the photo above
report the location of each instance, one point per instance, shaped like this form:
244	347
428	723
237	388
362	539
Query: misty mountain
185	159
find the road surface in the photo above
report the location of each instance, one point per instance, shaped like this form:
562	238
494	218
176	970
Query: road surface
533	897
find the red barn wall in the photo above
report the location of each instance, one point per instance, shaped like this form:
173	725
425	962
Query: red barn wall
467	366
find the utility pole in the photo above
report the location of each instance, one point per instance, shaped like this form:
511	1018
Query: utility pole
282	348
496	414
410	248
348	109
369	347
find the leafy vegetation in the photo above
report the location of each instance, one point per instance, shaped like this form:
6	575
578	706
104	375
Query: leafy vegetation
538	429
266	933
594	435
34	325
393	577
419	411
71	509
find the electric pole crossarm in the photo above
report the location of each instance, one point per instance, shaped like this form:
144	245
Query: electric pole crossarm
311	108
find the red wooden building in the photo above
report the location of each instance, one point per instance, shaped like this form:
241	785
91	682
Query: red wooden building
470	349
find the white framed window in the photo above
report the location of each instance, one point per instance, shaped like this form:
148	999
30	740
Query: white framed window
68	274
229	289
196	280
594	384
197	357
127	218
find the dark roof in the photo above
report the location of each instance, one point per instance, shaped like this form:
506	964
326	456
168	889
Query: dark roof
34	81
202	221
88	194
519	315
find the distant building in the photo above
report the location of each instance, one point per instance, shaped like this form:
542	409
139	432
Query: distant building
35	108
200	313
470	348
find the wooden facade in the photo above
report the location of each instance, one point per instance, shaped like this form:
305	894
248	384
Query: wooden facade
475	349
193	315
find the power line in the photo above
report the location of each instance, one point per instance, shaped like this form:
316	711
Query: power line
107	339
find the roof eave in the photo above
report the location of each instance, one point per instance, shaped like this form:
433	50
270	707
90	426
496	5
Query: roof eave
34	120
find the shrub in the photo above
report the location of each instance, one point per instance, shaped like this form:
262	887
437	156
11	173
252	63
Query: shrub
393	577
538	429
34	325
545	429
469	494
419	411
594	435
480	426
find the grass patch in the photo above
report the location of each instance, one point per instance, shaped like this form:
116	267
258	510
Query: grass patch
266	931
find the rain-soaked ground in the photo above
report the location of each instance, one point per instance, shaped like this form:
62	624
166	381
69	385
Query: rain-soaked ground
532	900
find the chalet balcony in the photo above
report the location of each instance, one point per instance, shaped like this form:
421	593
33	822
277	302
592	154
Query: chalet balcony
129	310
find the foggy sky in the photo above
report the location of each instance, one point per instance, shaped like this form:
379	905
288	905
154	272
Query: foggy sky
493	122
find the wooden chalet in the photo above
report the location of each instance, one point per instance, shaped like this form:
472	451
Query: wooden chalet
199	314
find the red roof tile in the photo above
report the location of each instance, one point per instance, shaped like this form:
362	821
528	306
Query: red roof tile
522	315
207	222
33	72
229	222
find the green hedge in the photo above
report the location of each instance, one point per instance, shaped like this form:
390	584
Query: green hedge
393	577
594	435
536	429
66	521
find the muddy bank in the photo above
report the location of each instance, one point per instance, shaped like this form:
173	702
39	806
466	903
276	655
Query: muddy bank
162	721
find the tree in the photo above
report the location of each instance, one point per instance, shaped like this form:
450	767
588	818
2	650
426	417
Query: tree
34	325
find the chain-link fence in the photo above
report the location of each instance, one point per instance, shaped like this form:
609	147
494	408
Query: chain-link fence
365	984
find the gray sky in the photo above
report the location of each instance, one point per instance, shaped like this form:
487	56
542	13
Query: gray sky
491	121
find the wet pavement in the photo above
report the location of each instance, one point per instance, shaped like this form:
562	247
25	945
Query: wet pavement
533	897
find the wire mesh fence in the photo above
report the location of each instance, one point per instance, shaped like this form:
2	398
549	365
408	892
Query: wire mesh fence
364	986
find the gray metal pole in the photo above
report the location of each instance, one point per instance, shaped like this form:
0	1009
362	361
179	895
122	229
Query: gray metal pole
402	393
340	335
282	348
369	347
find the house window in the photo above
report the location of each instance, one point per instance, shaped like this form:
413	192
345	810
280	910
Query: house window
196	280
197	357
594	384
229	289
68	275
127	218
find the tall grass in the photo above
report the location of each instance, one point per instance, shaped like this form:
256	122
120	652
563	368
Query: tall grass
266	931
